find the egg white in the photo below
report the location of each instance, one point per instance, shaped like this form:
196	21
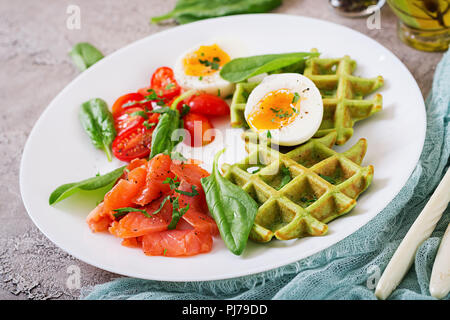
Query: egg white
310	114
212	83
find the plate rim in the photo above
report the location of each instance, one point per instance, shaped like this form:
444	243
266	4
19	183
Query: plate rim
250	271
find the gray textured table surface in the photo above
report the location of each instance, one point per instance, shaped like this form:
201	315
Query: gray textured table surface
34	42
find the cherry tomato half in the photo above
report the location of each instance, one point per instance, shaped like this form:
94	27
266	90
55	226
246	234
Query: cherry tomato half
133	143
164	83
126	120
198	125
130	100
208	104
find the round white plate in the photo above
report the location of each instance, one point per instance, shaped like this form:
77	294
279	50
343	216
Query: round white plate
58	151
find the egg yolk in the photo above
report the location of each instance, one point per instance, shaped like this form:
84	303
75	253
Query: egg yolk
205	61
275	110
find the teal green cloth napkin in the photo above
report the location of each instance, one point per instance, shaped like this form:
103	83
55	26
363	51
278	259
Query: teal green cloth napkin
350	268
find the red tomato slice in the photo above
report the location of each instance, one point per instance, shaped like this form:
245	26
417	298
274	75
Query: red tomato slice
198	125
127	100
125	120
164	83
208	104
133	143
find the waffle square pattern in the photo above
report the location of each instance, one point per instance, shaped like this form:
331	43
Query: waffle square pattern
298	192
342	92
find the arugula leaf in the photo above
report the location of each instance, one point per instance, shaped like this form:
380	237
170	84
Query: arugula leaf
241	69
187	11
98	123
231	207
85	55
97	182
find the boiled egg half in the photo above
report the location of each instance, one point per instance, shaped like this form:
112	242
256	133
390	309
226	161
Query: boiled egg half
287	108
199	67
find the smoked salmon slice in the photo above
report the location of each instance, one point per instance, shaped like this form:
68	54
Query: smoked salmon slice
158	170
97	220
145	185
125	190
136	224
175	243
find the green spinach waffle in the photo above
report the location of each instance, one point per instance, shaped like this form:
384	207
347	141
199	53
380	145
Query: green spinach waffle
299	191
343	96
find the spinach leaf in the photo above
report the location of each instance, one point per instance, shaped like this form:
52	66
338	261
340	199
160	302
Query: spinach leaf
85	55
169	121
93	183
231	207
241	69
187	11
162	141
98	122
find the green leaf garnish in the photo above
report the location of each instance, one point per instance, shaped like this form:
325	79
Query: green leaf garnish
123	211
94	183
84	55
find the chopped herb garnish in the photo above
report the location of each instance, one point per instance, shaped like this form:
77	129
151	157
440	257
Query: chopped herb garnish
216	59
152	95
184	110
280	114
186	193
269	135
308	201
148	125
286	178
218	92
213	65
200	78
172	182
139	113
170	86
123	211
177	213
253	170
165	251
327	178
296	97
161	110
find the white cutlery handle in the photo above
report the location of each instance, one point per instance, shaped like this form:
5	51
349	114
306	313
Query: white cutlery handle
440	276
418	233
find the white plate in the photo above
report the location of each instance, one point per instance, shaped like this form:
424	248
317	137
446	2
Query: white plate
58	151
